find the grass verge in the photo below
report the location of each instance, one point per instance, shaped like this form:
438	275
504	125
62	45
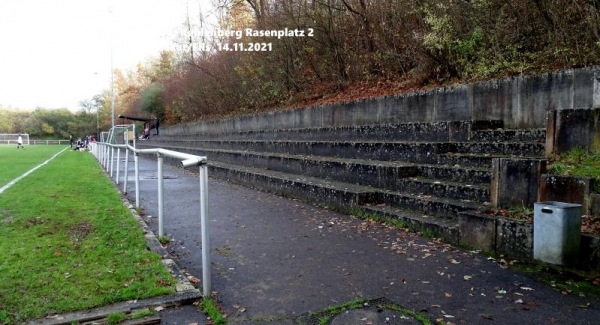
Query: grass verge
211	309
68	241
565	280
577	162
326	315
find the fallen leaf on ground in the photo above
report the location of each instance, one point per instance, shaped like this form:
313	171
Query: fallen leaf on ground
193	279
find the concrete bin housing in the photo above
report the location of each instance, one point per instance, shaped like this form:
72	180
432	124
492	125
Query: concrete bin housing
556	232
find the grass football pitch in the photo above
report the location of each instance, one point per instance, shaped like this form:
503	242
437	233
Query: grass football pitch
68	243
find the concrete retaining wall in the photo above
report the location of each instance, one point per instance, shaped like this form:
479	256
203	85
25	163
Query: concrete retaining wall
520	102
569	189
570	128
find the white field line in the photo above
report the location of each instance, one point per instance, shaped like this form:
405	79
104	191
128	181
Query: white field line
11	183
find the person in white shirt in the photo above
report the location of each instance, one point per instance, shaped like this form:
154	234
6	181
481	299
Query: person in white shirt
20	142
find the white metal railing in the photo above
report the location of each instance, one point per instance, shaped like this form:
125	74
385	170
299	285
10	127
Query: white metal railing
104	151
48	142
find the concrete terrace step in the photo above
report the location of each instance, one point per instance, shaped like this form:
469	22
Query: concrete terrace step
381	174
482	160
428	204
414	151
509	135
458	191
340	195
430	225
421	152
502	148
467	175
418	131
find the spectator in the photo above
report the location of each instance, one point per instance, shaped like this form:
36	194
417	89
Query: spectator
146	134
79	144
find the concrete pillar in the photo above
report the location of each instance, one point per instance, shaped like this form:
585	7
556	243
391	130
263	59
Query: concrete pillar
515	182
477	231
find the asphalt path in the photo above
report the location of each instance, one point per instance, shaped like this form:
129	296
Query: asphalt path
276	259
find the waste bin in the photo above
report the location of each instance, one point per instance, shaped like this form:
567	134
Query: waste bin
556	232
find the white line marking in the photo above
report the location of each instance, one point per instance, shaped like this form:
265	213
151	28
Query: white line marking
11	183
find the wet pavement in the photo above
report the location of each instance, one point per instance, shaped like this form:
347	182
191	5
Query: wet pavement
276	260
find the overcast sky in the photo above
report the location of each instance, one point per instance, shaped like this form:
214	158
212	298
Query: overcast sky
56	53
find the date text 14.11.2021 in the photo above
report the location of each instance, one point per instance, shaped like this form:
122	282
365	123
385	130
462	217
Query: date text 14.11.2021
244	47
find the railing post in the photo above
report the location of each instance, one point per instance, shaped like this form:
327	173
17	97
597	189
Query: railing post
137	180
112	160
126	170
106	156
206	281
118	164
106	148
160	195
102	154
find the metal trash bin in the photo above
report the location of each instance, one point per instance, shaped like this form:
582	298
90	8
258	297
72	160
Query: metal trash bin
556	232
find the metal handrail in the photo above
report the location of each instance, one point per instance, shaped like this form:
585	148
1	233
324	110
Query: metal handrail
105	153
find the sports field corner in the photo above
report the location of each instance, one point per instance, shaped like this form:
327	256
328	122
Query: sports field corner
76	244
